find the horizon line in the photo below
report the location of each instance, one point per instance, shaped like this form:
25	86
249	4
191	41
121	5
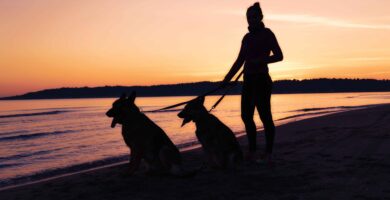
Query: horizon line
167	84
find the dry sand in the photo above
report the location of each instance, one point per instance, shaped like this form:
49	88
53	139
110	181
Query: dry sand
339	156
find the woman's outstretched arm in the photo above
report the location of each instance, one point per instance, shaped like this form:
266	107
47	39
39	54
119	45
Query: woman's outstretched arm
237	64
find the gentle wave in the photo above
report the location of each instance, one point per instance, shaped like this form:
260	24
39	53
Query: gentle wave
34	114
34	135
13	132
164	111
305	114
19	156
326	108
9	165
57	108
321	111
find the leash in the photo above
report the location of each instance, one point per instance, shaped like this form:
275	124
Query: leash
224	94
231	86
185	102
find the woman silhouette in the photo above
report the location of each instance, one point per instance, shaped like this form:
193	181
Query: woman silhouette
256	49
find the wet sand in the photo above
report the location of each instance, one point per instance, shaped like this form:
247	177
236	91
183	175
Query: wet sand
339	156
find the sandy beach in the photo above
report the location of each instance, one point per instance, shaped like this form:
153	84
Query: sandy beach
339	156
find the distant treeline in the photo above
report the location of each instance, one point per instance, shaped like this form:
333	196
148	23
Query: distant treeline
191	89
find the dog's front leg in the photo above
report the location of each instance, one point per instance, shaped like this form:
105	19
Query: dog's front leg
135	161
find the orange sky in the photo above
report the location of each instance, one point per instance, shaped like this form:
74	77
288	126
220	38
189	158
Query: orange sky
56	43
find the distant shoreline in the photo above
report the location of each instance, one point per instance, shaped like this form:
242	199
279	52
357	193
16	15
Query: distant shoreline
69	98
197	88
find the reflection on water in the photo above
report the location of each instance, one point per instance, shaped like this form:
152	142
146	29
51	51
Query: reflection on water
41	135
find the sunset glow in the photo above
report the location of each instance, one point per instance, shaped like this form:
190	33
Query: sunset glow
53	43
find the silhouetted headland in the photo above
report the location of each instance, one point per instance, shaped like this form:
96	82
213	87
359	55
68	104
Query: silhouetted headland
322	85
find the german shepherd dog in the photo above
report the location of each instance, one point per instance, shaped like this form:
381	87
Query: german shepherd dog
146	140
217	140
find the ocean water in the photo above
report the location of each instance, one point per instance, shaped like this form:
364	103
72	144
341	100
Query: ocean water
45	138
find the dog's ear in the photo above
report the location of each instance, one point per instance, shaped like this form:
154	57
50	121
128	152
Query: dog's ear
123	96
132	96
201	100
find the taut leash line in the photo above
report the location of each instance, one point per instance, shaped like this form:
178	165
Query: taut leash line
185	102
205	94
224	94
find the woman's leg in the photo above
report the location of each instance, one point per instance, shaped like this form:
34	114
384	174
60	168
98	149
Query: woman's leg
247	111
263	105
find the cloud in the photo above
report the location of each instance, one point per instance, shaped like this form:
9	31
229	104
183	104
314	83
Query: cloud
368	59
293	66
315	20
276	69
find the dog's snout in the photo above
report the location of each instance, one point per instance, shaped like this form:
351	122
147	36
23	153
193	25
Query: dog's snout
181	115
109	113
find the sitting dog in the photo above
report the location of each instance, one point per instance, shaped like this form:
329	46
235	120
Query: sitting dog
145	139
217	140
